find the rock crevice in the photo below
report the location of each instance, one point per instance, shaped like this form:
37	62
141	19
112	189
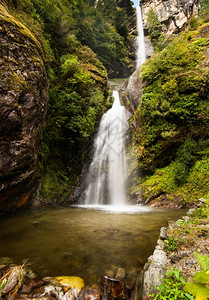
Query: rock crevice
23	107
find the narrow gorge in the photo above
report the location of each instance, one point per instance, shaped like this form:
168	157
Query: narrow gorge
104	140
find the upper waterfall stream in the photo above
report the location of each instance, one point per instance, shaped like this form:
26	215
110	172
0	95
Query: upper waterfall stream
107	172
140	53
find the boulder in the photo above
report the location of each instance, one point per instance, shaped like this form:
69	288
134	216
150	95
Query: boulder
153	273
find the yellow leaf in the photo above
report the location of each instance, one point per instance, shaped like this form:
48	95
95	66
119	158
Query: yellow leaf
72	281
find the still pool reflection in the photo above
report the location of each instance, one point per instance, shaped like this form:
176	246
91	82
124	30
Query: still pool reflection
84	242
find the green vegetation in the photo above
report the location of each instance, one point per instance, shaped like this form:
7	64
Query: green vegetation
173	116
199	287
187	230
81	43
186	234
154	30
172	287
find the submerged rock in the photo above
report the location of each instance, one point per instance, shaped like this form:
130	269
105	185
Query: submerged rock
121	273
23	107
91	293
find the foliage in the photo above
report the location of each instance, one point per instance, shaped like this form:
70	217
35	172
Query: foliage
79	40
170	244
199	287
172	287
204	10
187	230
163	181
154	30
173	111
184	160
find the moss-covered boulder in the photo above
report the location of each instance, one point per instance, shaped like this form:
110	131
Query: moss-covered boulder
23	107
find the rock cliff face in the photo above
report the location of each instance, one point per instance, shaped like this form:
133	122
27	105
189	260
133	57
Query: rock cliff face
23	106
173	14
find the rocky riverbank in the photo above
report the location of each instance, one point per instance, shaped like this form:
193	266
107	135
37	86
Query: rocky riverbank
175	250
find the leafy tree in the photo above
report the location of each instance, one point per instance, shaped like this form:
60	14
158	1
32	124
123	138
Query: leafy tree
154	29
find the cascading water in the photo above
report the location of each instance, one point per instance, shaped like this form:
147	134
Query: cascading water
140	53
106	177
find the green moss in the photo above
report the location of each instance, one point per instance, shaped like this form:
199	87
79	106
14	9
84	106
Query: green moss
7	17
163	181
174	105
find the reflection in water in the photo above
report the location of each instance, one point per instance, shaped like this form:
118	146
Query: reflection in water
82	242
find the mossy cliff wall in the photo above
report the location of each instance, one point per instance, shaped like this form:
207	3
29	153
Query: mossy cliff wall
23	107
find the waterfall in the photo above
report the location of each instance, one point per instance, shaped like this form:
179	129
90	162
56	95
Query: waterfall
140	53
106	176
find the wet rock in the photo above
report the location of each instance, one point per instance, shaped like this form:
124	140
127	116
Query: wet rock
91	293
5	260
114	289
121	273
23	107
30	284
109	273
163	233
131	91
22	297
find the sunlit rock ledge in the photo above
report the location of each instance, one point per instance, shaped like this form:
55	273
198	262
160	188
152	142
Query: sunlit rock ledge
172	14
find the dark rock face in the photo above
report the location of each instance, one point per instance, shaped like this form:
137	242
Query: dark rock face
23	107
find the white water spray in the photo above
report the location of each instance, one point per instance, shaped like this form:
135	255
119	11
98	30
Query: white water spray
107	173
140	53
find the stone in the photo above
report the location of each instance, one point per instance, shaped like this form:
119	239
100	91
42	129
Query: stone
121	273
90	293
23	108
173	14
131	91
154	273
160	244
30	284
114	289
163	233
148	47
109	273
202	200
